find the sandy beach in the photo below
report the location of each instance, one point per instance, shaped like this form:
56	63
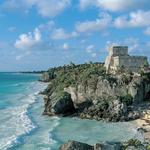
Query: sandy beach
144	123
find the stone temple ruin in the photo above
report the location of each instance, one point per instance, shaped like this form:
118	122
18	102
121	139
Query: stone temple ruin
119	58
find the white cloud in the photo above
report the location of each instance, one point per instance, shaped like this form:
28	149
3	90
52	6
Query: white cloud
46	8
11	29
12	4
115	5
51	8
121	22
47	26
86	3
148	44
55	33
21	56
61	34
132	43
83	41
99	24
29	40
94	54
89	49
147	31
110	44
135	19
66	46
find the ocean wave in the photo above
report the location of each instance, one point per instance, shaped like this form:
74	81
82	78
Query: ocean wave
18	124
45	138
12	85
16	120
56	122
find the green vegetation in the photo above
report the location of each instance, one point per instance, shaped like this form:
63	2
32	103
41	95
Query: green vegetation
128	99
132	142
88	75
146	76
110	78
70	75
127	78
148	147
135	144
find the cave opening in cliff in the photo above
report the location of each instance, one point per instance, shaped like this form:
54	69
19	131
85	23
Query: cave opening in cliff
147	97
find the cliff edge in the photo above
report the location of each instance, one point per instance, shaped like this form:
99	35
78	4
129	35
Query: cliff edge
87	91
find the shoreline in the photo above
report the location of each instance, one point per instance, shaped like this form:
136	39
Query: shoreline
143	124
30	73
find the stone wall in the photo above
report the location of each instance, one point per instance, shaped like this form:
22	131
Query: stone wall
118	51
133	63
118	58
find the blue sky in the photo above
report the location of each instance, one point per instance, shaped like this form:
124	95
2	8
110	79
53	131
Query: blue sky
36	35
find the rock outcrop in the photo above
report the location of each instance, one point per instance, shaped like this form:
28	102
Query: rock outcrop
62	105
132	144
94	94
74	145
108	146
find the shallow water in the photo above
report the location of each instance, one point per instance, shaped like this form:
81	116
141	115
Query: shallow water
23	127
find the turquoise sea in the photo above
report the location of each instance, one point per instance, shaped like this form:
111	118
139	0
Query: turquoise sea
23	127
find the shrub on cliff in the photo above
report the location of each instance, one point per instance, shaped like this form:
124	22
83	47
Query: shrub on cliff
51	73
146	77
133	144
148	147
72	74
128	99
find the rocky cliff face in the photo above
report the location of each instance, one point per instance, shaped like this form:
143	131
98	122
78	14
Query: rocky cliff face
95	94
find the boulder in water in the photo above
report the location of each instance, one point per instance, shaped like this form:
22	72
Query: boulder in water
73	145
108	146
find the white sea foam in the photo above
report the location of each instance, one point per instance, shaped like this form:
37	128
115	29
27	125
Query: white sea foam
53	126
46	141
15	120
17	123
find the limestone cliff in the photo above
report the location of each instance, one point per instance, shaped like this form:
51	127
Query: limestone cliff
89	92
